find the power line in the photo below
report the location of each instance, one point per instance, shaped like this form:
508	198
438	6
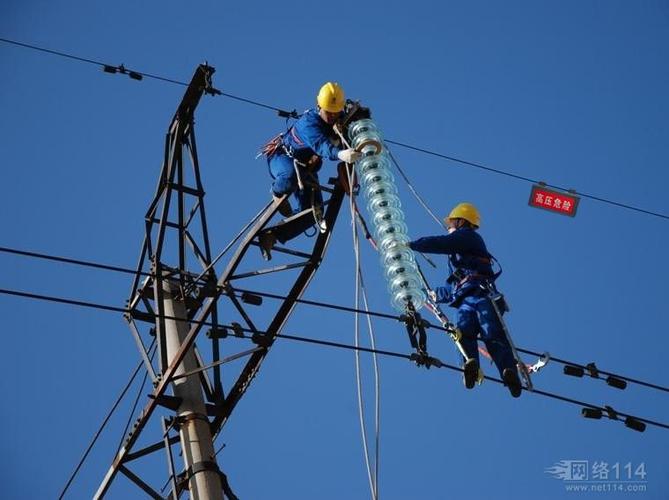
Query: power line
328	343
281	112
602	372
78	262
50	51
336	307
127	270
293	114
326	305
122	69
526	179
106	67
440	328
60	300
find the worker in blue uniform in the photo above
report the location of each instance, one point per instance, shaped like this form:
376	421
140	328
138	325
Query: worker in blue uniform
468	289
296	156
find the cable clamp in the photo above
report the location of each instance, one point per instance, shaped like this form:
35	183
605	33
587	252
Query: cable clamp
237	329
288	114
612	414
593	371
217	332
261	340
123	70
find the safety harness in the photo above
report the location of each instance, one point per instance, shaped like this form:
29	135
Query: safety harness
460	275
486	285
277	145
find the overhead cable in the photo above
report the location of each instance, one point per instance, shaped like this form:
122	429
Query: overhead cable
78	262
138	75
327	343
275	296
526	179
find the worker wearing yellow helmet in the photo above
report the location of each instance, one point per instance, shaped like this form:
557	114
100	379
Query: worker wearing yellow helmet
468	288
296	156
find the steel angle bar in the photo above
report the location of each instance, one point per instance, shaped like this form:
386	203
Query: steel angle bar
170	459
220	362
204	378
296	291
269	270
279	249
135	479
147	450
241	311
142	349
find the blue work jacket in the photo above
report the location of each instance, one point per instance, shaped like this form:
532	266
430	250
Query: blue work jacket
310	135
467	256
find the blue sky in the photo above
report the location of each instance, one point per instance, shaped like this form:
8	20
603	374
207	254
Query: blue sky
572	93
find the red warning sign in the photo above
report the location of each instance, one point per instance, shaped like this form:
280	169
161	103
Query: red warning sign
555	201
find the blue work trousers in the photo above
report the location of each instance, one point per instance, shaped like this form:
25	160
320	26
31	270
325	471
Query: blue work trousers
477	319
282	170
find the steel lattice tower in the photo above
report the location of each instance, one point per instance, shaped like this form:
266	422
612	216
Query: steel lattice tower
176	295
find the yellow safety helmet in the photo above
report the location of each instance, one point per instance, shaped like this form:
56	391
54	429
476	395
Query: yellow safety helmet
465	211
331	97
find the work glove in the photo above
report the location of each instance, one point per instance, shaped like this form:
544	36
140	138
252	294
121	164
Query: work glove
349	155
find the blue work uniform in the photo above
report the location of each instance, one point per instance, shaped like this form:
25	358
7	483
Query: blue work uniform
471	266
309	136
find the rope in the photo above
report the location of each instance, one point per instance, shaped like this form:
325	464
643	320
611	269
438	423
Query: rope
372	477
413	190
377	389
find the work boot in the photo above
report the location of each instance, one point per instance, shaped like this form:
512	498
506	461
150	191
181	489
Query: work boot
266	239
511	380
284	207
471	373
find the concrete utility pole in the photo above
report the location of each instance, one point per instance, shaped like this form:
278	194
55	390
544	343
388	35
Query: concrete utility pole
204	481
